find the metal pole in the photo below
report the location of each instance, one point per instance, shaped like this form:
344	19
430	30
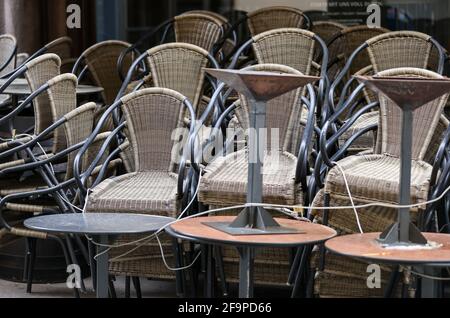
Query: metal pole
102	267
256	153
405	174
246	272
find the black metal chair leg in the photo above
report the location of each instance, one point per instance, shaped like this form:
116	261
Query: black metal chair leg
393	282
66	258
127	287
137	287
210	274
294	267
179	275
26	261
299	279
73	257
92	265
112	288
32	244
221	270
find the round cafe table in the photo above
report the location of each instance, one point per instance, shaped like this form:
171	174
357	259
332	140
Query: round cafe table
197	230
103	228
365	247
20	87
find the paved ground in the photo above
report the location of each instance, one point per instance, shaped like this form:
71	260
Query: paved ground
150	289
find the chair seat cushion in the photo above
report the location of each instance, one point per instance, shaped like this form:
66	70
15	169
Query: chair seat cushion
152	192
376	178
225	180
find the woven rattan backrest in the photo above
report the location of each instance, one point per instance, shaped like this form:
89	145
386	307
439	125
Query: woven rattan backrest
327	29
283	112
8	47
63	99
152	115
277	17
79	126
425	121
101	60
179	66
290	47
349	40
61	47
399	49
39	71
215	15
198	29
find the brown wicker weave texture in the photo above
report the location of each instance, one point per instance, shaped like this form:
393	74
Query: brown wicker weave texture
101	60
7	46
40	71
276	17
198	29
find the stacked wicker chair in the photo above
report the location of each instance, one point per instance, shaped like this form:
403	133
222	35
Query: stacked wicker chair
327	30
386	51
8	49
224	182
99	65
270	18
177	66
158	183
374	178
42	181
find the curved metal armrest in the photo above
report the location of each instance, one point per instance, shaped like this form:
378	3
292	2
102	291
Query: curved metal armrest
23	195
326	142
303	154
320	167
238	53
342	74
443	148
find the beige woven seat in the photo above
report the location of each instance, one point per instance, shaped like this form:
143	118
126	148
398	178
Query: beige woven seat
276	17
376	178
152	192
225	181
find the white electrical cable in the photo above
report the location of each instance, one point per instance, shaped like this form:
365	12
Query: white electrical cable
429	276
350	196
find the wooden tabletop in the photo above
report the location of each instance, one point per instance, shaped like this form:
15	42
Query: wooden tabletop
365	246
196	230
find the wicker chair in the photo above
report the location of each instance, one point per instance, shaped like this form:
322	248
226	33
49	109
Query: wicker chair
37	72
374	177
277	17
199	29
8	49
100	63
177	66
158	184
224	182
387	51
344	43
45	190
327	30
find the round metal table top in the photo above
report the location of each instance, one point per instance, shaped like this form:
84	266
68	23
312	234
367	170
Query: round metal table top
98	223
197	230
365	246
20	87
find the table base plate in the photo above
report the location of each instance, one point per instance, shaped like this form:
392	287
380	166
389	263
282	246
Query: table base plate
272	230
